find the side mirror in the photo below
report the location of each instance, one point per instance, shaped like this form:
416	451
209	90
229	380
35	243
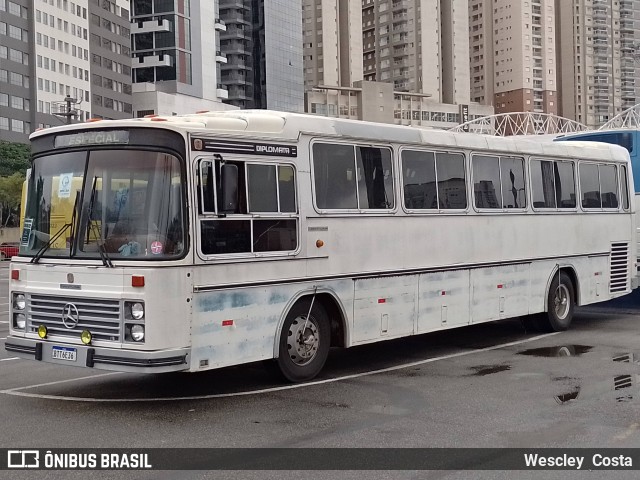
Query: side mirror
229	188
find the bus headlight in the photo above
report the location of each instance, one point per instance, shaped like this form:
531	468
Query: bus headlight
134	310
137	333
19	321
137	311
19	301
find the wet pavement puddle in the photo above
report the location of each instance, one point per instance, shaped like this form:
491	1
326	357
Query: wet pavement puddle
560	351
482	370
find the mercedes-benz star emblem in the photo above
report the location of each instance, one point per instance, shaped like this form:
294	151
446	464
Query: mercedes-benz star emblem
70	315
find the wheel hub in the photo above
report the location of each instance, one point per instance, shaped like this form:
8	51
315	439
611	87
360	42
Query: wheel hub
303	340
561	301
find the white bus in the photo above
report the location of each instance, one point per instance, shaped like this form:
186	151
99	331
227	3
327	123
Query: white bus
215	239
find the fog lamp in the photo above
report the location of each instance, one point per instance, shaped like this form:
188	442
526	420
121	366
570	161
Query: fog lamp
85	337
42	331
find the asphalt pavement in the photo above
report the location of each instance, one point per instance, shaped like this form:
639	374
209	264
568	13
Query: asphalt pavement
491	385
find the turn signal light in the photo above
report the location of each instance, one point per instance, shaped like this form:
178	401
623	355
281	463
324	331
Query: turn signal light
15	274
137	280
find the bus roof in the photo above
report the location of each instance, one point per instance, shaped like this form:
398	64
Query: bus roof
274	125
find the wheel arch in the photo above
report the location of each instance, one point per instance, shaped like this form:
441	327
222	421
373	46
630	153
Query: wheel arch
334	307
570	271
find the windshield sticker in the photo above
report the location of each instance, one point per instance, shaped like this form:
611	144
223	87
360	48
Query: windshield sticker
156	248
128	249
64	187
26	232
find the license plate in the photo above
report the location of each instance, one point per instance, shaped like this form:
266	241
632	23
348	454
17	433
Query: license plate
64	353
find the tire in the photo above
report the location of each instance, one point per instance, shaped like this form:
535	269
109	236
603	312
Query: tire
560	305
304	345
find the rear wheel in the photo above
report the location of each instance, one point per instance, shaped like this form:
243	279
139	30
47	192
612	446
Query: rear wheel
560	305
304	342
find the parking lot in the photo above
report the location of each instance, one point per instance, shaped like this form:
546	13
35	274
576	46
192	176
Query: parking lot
493	385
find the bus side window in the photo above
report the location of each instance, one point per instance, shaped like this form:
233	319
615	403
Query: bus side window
608	186
589	185
487	188
334	175
624	183
565	184
375	182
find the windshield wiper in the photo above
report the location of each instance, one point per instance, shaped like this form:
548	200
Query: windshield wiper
106	261
47	245
36	258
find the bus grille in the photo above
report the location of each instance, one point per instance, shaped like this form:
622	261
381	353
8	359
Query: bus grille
619	267
101	317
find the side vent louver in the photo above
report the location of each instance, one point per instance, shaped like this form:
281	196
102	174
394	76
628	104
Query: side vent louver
619	267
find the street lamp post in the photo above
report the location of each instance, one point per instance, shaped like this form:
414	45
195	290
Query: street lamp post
68	112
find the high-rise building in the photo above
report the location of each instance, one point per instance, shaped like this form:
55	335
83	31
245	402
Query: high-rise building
418	45
596	45
263	48
332	40
110	58
52	50
176	57
17	105
512	55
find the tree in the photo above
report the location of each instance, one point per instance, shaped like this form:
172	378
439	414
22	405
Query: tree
10	198
14	157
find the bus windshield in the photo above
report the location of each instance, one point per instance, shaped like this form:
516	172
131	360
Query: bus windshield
122	204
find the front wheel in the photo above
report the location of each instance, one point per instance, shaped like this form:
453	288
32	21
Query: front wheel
560	305
304	342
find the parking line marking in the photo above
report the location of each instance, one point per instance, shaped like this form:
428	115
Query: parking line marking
10	358
63	381
18	390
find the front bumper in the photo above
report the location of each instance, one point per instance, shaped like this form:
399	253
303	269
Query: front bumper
120	360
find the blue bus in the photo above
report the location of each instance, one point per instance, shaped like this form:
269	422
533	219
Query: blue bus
628	138
625	137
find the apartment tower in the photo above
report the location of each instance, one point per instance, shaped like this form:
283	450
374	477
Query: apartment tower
176	58
52	50
418	45
597	45
512	55
262	45
332	41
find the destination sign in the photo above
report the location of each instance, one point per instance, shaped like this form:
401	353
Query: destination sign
247	148
92	137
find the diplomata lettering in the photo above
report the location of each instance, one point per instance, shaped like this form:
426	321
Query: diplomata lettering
242	148
273	149
534	460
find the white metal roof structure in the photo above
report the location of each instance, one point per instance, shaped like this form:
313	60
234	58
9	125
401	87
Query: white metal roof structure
630	118
521	123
